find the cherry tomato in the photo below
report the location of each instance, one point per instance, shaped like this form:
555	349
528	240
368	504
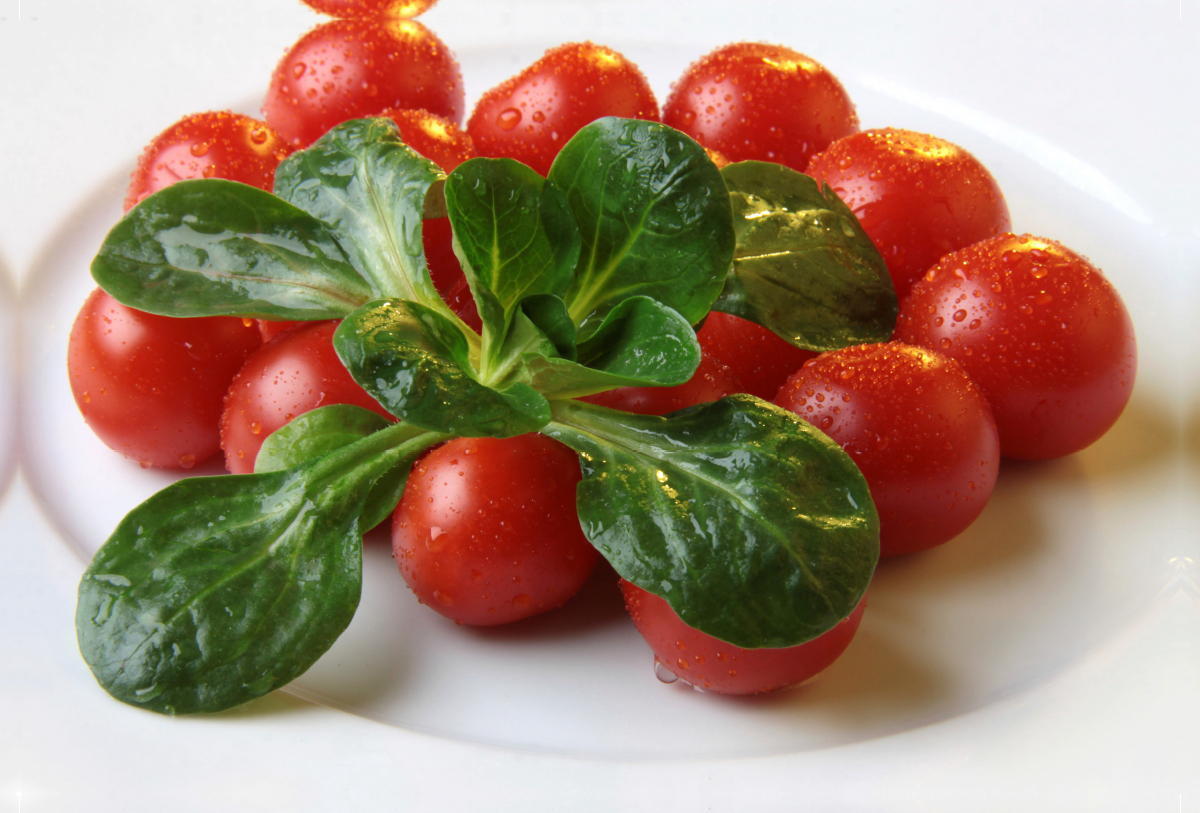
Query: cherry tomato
759	102
530	116
447	273
1040	330
711	381
759	359
348	69
295	372
399	9
486	532
916	426
716	666
208	145
150	386
917	196
434	137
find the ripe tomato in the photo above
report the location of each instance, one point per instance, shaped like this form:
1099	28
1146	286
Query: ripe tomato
348	69
208	145
915	425
917	196
487	532
759	102
1039	329
399	9
150	386
711	381
530	116
295	372
714	665
434	137
447	273
759	359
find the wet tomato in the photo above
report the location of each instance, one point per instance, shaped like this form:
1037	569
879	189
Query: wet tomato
532	115
438	139
759	359
711	381
397	9
917	196
1040	330
486	532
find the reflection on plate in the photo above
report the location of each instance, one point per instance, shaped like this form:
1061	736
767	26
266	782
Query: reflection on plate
1038	582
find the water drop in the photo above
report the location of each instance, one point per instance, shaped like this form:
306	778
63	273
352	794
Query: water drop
509	118
664	674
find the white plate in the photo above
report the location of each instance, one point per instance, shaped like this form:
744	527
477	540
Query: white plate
1066	560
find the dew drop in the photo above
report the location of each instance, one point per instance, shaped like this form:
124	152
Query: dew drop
509	118
664	674
959	315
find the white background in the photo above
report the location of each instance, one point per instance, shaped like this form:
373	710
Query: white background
1102	97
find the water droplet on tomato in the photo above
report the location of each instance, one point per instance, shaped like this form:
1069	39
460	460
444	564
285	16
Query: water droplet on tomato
522	601
298	69
255	427
959	315
664	674
199	148
539	116
509	118
187	461
443	598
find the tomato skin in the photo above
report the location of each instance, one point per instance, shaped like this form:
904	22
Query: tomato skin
434	137
347	69
918	429
151	387
530	116
759	359
917	196
446	272
294	373
487	533
711	381
397	9
752	101
208	145
715	666
1040	330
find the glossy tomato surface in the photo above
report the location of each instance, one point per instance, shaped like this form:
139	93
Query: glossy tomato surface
446	271
438	139
486	532
759	359
399	9
1040	330
294	373
915	425
532	115
208	145
348	69
151	387
713	665
711	381
752	101
919	197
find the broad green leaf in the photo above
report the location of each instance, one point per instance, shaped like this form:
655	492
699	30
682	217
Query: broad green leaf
804	267
326	429
416	363
515	236
654	217
372	190
219	248
218	590
757	528
549	315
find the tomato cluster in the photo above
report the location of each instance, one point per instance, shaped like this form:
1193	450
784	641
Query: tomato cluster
1006	345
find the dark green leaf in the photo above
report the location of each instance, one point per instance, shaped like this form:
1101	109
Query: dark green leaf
212	247
804	267
549	315
218	590
654	216
416	363
756	527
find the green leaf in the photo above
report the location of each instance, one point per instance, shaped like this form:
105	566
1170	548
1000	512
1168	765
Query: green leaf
416	364
326	429
654	216
218	248
218	590
757	528
372	191
516	238
804	267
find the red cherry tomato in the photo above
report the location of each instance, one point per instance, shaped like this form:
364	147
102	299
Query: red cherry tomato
917	196
716	666
208	145
447	273
486	532
917	427
434	137
399	9
151	387
349	69
294	373
759	359
1040	330
530	116
711	381
759	102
